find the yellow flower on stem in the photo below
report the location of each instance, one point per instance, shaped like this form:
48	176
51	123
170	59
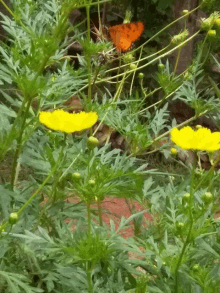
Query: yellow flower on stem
173	151
63	121
201	139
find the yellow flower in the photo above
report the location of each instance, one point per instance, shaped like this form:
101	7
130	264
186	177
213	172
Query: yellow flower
211	34
201	139
173	151
217	22
63	121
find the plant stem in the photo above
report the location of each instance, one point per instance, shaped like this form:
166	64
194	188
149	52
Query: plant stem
181	125
100	213
89	277
188	240
119	67
7	8
89	218
10	136
177	59
117	94
33	195
88	57
139	59
132	81
207	174
152	61
99	16
169	25
19	145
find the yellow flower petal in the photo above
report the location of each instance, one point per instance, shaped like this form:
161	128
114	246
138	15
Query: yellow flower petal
201	139
63	121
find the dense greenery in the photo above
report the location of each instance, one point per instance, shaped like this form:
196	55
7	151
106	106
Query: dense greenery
53	237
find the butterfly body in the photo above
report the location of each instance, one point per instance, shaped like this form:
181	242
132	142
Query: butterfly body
124	35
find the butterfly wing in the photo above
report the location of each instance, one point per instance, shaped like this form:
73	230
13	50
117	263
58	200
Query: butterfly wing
115	34
135	30
124	35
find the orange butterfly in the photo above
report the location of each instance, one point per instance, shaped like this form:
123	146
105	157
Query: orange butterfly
124	35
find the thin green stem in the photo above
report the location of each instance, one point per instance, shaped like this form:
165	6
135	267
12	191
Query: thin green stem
188	238
206	175
34	194
143	92
169	25
88	57
201	50
139	59
147	64
119	67
89	277
162	30
18	20
99	16
91	4
89	217
100	213
180	125
10	136
177	59
67	169
7	8
113	101
45	181
154	60
132	80
23	125
19	145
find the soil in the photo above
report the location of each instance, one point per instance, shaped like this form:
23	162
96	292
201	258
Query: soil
115	208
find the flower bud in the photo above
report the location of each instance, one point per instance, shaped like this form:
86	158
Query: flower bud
185	11
208	23
91	182
141	75
172	178
178	39
161	66
217	23
187	75
207	197
211	34
133	66
198	126
199	172
173	151
128	58
128	16
195	267
76	176
13	218
68	58
186	198
179	227
92	142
